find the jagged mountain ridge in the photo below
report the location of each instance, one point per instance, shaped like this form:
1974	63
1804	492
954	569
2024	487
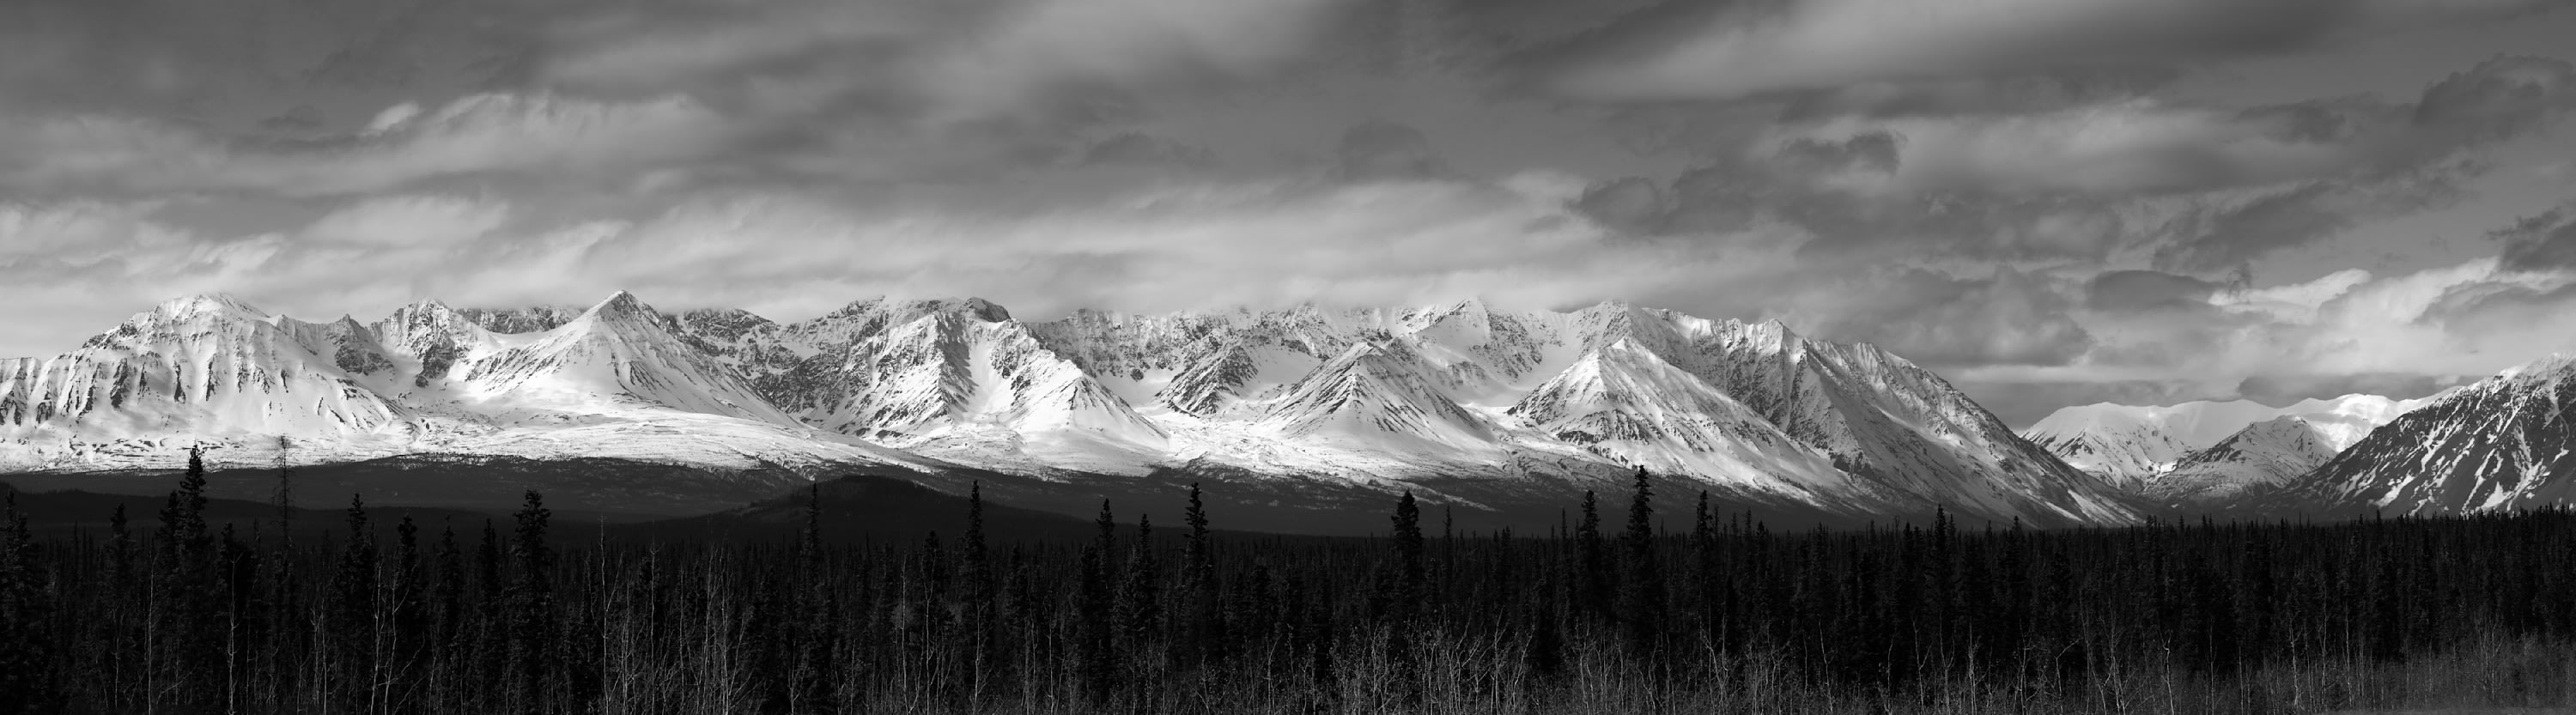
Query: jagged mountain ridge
1359	396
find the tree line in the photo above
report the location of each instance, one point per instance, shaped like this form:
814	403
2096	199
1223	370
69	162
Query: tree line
1725	616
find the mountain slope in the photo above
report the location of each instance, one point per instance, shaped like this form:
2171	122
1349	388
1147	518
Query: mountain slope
2264	453
2502	443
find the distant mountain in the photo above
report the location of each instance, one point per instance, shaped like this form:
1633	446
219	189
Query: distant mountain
2502	443
2134	447
1462	403
2264	453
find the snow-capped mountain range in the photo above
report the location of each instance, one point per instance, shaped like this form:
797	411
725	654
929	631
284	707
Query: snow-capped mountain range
1460	400
2203	451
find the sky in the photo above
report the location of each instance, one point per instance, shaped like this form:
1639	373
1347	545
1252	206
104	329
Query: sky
2050	202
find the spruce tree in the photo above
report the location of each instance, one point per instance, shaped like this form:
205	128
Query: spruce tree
532	659
1641	586
1095	610
1592	559
1206	635
977	566
410	627
184	638
446	603
351	627
1408	553
1141	601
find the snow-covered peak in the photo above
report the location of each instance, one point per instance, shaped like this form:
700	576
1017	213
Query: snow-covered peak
622	303
617	356
621	309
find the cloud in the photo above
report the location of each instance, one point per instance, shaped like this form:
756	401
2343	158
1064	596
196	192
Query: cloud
2134	146
302	118
1848	195
2136	290
410	221
480	134
2498	99
936	62
1939	319
2546	242
2224	236
1380	150
1045	45
2120	148
1138	149
1633	205
2347	328
2288	389
2207	188
656	46
76	233
1697	50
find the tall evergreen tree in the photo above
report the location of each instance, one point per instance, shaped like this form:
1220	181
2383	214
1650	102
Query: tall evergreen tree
1592	559
183	639
407	639
1206	627
1141	601
351	627
1095	613
1408	553
810	544
1641	586
533	655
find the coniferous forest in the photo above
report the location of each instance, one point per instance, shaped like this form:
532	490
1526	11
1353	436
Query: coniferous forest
1726	616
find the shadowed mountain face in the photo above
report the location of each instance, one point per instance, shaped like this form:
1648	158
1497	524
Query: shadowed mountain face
1294	411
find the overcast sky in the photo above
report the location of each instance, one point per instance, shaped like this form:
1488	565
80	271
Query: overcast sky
2051	202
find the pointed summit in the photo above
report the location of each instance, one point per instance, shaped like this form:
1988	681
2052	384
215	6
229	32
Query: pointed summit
622	303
